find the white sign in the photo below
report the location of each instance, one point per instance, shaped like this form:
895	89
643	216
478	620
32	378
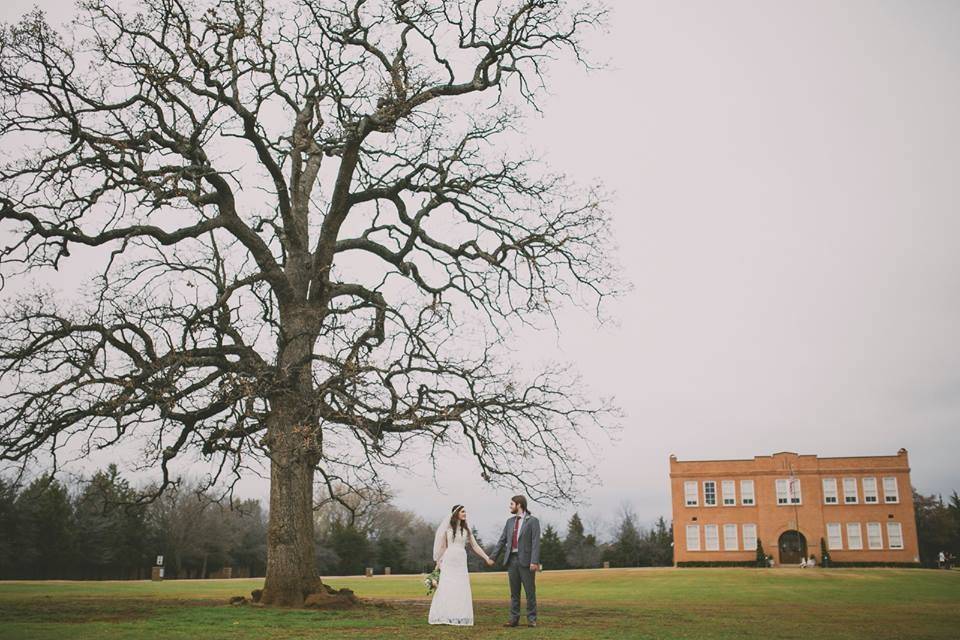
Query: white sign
160	561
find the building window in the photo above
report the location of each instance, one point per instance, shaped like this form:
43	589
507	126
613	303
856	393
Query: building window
709	493
746	493
829	491
834	537
690	493
693	537
894	535
788	491
874	537
730	537
870	491
891	493
729	488
782	492
711	537
749	537
850	491
854	536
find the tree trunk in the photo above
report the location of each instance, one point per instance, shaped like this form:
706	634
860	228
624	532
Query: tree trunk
291	572
294	441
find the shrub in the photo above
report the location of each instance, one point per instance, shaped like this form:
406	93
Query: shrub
761	560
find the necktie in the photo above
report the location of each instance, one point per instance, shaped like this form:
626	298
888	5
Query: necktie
516	531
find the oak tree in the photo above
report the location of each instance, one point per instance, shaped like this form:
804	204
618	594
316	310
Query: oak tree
314	222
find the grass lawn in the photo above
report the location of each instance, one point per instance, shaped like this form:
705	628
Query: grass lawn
614	603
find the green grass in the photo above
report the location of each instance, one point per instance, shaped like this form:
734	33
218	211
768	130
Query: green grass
616	603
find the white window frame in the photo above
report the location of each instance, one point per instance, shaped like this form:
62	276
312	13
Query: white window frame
796	491
729	497
830	491
706	503
850	497
894	494
687	493
730	538
746	494
874	536
870	490
854	542
693	541
749	532
794	496
711	542
894	535
783	491
834	536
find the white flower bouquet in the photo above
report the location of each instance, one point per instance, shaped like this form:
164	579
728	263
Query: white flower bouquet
432	580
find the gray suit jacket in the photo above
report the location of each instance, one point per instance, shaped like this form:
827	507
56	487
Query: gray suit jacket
528	543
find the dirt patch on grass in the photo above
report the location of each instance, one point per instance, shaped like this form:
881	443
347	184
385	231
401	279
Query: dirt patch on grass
90	609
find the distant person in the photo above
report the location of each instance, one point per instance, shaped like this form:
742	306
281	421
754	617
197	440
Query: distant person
812	562
803	563
942	560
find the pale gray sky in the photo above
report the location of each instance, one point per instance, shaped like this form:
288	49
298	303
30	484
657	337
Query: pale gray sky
788	209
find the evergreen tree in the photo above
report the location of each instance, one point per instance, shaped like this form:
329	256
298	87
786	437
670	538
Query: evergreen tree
110	528
661	544
936	527
46	538
627	545
761	555
552	554
9	530
574	542
391	552
352	548
580	548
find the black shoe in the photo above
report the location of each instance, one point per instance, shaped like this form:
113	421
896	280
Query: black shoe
512	623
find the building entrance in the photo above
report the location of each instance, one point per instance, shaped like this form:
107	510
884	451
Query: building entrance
793	547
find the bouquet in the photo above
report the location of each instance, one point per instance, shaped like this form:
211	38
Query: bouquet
432	580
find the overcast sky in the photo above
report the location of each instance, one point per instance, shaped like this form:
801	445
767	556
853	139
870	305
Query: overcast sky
788	211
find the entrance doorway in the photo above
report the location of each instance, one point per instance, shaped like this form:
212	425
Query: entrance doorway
793	547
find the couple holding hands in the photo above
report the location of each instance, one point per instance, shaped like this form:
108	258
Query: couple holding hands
453	600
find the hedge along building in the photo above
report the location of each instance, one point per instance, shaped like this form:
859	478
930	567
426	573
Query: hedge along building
862	508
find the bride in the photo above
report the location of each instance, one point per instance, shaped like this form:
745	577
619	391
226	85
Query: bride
453	601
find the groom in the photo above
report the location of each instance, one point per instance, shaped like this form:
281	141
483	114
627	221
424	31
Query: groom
522	533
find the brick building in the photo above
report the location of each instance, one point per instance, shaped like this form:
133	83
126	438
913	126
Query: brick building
861	506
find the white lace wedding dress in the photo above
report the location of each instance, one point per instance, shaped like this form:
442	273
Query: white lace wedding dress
453	600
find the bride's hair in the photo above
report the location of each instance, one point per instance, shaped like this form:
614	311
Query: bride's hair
455	518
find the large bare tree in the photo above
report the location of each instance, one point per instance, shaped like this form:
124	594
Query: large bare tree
314	223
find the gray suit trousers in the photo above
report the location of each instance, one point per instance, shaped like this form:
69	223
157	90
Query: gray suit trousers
521	575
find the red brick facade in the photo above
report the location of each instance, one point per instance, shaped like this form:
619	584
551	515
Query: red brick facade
861	506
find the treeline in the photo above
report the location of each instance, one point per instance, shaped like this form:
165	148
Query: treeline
938	526
380	536
630	546
95	530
